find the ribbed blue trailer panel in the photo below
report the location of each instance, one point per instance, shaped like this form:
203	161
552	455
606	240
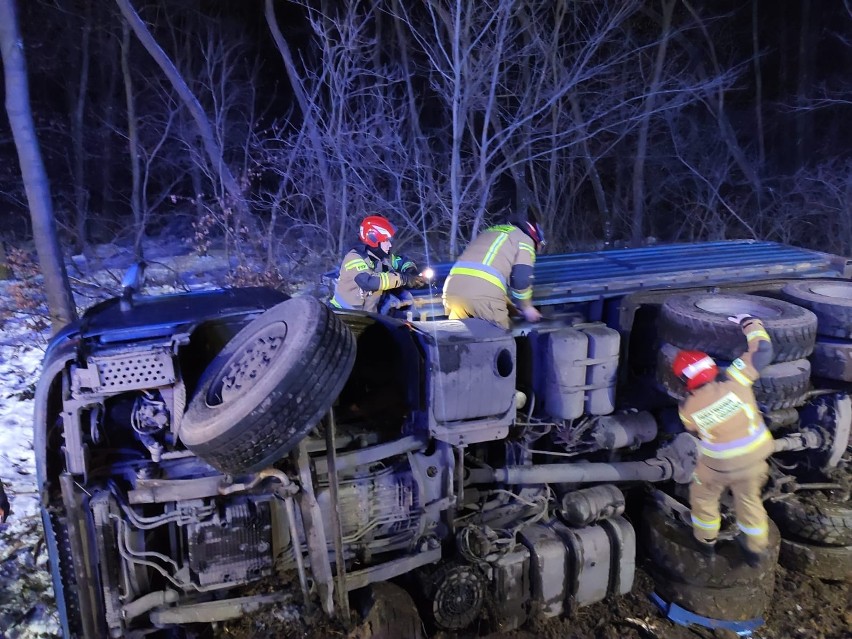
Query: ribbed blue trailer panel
578	277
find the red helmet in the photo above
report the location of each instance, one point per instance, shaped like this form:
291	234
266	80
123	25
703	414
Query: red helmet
375	229
695	368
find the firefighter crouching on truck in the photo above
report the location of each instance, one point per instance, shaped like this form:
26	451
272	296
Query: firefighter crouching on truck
495	272
735	442
371	278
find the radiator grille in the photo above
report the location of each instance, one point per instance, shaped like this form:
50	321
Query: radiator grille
130	371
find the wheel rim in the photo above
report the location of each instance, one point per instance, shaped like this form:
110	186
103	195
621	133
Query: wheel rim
722	305
830	289
246	368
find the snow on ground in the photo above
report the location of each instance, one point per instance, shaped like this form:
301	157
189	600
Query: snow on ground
26	596
27	607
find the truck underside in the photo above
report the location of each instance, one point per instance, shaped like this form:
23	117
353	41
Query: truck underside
203	459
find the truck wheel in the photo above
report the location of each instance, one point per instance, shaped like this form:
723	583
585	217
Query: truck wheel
832	359
673	553
736	603
780	385
824	522
390	612
833	563
269	386
699	321
831	302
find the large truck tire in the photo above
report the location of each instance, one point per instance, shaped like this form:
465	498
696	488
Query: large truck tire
780	386
269	386
832	563
674	555
830	301
832	359
827	523
733	603
699	321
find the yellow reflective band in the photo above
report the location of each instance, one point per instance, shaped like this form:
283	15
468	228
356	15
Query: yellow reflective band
757	334
754	531
738	377
529	249
357	264
385	281
707	524
495	246
729	453
462	270
335	303
526	294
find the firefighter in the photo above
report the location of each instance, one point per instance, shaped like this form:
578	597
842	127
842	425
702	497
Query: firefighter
372	278
4	504
734	441
495	273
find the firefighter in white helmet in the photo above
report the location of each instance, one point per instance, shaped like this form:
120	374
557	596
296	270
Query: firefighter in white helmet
734	441
372	278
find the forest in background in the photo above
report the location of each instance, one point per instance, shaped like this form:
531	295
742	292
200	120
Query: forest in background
621	123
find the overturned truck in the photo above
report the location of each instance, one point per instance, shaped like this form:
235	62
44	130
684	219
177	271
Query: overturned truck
206	455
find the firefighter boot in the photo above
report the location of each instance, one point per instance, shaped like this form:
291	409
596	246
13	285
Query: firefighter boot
706	548
751	557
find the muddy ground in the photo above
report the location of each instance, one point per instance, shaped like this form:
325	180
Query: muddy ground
802	608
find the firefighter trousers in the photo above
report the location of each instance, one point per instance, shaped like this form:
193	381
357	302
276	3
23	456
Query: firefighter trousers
746	484
491	310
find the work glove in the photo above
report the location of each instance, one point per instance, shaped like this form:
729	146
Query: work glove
413	280
739	319
531	314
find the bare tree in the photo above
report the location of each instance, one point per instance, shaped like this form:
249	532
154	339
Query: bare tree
59	298
210	144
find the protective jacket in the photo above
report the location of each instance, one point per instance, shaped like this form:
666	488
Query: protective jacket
734	444
495	270
724	413
364	277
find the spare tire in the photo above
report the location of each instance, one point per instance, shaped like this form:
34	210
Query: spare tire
830	300
780	386
699	321
269	386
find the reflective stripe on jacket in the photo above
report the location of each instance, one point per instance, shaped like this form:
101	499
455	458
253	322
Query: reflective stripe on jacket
496	265
363	278
724	413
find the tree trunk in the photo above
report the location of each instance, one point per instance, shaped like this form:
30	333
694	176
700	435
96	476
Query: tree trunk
60	301
758	87
804	117
78	116
133	144
638	222
314	134
205	130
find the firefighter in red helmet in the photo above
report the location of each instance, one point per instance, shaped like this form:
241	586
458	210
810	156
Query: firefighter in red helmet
734	441
372	278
